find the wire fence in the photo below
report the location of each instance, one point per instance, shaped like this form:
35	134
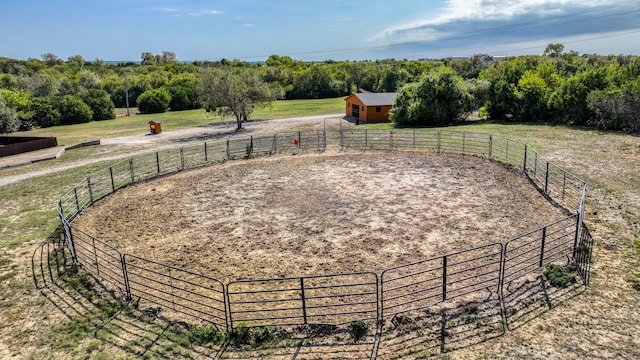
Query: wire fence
489	273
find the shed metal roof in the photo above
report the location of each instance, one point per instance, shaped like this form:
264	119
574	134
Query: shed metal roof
377	99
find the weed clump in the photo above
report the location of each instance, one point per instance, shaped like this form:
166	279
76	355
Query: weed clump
558	276
358	329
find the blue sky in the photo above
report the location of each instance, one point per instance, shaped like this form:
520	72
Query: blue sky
252	30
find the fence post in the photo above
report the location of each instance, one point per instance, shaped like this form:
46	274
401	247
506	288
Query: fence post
524	166
158	161
506	156
490	146
366	138
182	158
464	139
90	190
125	277
113	184
575	240
299	140
75	193
439	140
318	133
228	155
546	180
95	254
535	164
133	179
544	238
275	143
304	305
206	154
564	182
444	278
414	138
391	140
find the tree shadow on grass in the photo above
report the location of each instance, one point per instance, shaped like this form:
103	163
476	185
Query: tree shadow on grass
93	312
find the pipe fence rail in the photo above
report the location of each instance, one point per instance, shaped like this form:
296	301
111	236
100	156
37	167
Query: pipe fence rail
489	273
322	299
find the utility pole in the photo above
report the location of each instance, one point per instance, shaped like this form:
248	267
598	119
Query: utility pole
126	92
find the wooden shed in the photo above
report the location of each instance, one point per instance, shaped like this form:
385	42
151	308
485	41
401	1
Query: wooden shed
370	107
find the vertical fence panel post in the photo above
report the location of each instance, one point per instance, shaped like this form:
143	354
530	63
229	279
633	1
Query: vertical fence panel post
95	255
318	133
75	193
524	165
366	138
546	180
464	139
125	277
133	179
444	278
182	158
113	184
299	138
535	164
564	182
575	240
490	146
439	140
304	305
391	140
506	156
544	238
206	153
228	156
158	161
275	143
414	138
90	190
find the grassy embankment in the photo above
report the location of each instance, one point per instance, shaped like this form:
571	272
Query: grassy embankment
68	321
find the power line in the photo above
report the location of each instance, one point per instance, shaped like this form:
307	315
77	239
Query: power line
467	35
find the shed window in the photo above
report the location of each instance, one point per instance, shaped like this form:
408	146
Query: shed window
378	109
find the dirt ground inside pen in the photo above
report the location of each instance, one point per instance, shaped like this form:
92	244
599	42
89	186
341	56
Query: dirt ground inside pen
318	214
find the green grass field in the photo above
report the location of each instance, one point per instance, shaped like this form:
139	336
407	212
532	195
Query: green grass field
64	320
138	124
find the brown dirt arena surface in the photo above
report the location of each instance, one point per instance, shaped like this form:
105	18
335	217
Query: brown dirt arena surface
319	214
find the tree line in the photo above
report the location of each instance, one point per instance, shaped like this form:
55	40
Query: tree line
554	87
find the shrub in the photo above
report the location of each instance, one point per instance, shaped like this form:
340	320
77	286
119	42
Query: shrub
358	329
206	334
154	101
558	276
101	104
74	111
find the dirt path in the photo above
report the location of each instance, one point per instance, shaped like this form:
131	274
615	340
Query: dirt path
170	139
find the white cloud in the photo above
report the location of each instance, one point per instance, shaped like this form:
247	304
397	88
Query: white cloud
460	16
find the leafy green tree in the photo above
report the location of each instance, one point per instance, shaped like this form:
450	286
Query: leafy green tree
76	60
316	83
184	96
154	101
439	97
74	111
531	94
100	104
8	118
45	111
20	101
51	59
236	93
554	50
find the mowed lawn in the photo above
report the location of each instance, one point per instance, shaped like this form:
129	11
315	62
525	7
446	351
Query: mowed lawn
175	120
60	319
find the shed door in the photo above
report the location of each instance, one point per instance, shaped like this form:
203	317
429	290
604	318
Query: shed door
355	110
